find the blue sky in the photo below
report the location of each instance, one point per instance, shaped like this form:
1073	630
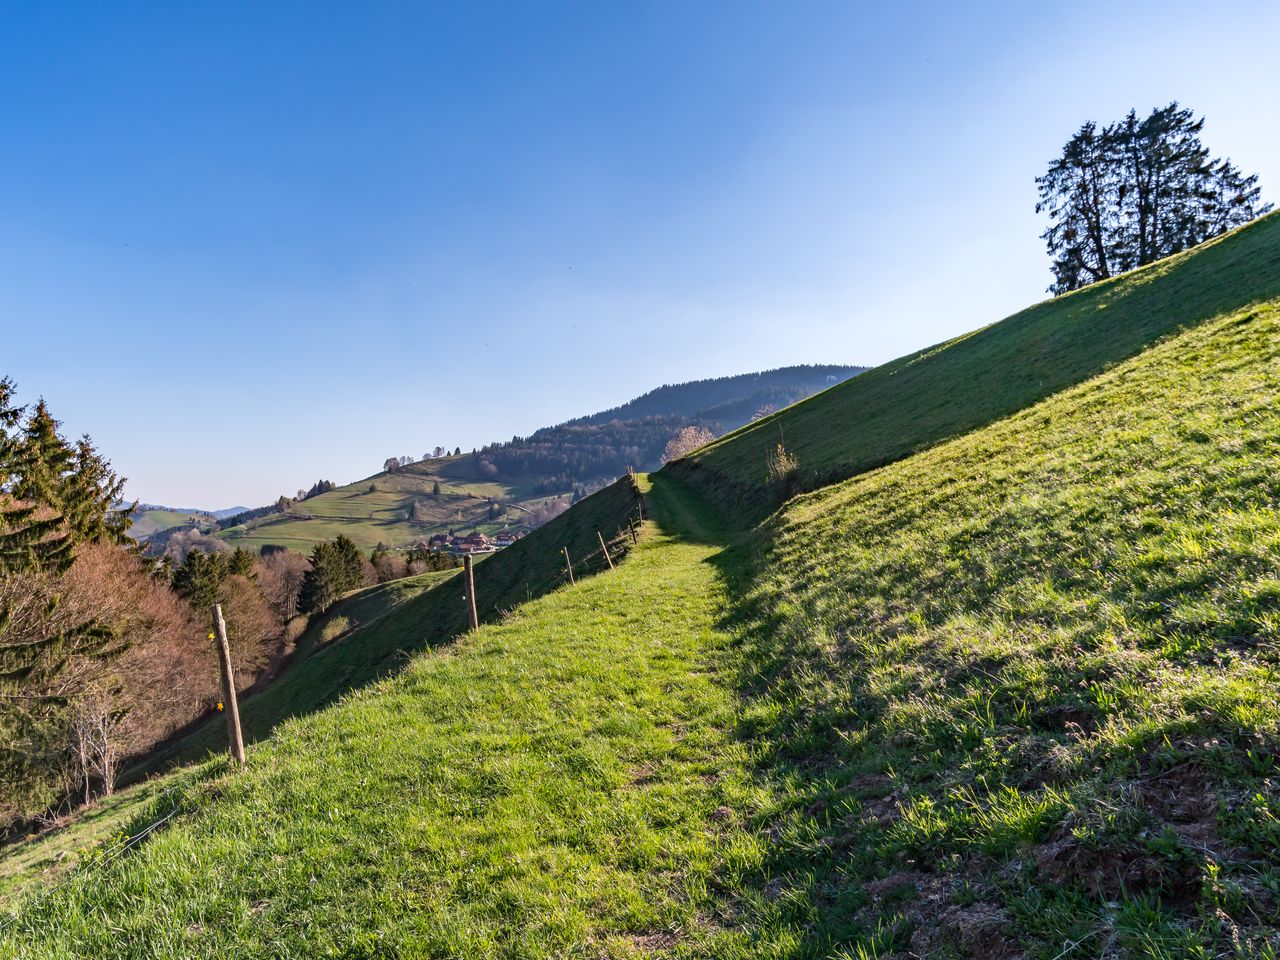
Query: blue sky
247	246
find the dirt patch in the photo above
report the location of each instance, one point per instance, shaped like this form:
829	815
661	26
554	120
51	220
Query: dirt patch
1183	795
650	942
980	929
879	890
876	783
1114	871
641	774
1074	721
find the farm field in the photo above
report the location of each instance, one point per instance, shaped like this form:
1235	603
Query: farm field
378	509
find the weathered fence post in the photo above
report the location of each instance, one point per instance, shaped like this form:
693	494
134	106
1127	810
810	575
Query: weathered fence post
640	504
235	743
632	526
568	564
608	559
469	588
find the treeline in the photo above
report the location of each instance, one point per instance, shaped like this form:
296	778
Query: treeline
97	655
104	654
601	447
226	523
317	488
282	505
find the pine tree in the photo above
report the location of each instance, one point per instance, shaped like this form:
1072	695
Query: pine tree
37	641
201	578
336	568
240	563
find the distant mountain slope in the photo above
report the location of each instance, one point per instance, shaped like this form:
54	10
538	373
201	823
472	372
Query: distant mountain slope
150	518
513	484
727	397
593	449
943	391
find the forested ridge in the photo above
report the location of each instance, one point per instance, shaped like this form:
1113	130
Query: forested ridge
590	450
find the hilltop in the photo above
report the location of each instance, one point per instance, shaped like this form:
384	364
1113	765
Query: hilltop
1000	683
943	391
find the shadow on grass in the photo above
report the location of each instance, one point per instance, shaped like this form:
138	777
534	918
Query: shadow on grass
984	815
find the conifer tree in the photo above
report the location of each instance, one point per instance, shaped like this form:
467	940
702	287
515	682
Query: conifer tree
37	640
201	578
1135	191
336	568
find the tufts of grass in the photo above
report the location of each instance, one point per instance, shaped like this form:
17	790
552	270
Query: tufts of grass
1041	660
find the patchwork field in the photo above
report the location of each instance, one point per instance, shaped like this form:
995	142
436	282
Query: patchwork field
396	509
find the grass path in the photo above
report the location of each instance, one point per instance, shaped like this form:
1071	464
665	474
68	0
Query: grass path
565	783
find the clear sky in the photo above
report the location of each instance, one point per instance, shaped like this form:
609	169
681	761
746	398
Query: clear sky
250	245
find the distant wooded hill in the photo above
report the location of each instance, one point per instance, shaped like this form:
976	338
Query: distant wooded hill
588	450
517	484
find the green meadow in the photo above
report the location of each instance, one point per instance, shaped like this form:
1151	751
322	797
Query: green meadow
1000	681
147	522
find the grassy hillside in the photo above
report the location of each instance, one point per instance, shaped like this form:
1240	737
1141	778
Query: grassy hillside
369	635
1021	689
372	633
943	391
1013	695
154	519
376	510
543	789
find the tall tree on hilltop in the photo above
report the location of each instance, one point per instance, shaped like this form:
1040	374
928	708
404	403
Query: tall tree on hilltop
1136	191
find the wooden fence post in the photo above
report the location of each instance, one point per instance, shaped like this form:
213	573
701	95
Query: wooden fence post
632	526
568	564
235	743
640	503
608	559
469	589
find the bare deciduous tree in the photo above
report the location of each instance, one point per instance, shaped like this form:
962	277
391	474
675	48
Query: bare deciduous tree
685	442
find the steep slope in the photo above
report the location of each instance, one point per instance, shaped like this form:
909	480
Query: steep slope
1022	687
1013	695
943	391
